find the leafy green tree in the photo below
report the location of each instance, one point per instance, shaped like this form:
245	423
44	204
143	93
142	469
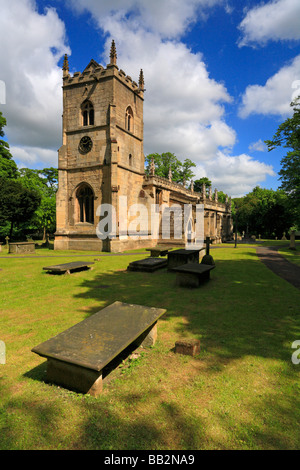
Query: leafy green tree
181	171
264	211
8	168
185	172
44	182
163	162
198	184
17	203
288	136
222	197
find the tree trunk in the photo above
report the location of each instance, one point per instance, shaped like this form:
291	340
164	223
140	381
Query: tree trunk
11	230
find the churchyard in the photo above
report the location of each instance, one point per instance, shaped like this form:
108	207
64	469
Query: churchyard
240	391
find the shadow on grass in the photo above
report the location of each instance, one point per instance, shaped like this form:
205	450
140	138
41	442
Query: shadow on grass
244	310
105	428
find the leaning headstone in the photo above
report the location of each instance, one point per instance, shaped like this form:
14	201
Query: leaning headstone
293	240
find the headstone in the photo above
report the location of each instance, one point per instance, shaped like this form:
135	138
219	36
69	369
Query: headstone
207	258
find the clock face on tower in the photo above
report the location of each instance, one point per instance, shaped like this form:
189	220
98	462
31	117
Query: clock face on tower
85	144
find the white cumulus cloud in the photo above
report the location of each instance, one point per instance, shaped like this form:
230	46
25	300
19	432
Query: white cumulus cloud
236	175
184	106
276	20
31	45
275	96
258	146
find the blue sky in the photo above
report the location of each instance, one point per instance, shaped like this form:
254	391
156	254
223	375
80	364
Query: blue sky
220	75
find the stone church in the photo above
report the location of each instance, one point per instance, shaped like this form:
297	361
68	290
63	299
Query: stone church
101	160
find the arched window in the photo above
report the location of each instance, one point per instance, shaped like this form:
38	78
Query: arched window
85	204
129	120
88	114
130	160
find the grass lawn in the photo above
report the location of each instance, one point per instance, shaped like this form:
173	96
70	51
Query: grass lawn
291	255
240	392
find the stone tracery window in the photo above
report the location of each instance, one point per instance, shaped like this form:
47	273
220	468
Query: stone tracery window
88	114
85	204
129	119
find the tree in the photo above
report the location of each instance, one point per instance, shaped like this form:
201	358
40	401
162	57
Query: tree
17	204
185	172
222	197
288	136
198	184
44	182
264	211
8	168
181	171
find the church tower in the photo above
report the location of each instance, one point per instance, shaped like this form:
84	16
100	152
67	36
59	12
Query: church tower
101	157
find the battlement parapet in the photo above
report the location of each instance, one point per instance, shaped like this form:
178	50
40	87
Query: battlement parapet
164	183
97	72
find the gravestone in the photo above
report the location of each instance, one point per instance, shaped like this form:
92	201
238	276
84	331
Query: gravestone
68	268
78	357
182	256
157	251
148	265
207	258
192	274
21	247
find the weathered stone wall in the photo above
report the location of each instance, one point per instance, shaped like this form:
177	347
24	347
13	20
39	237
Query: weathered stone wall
114	167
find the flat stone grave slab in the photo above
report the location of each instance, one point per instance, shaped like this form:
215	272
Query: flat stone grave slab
148	265
182	256
158	251
77	357
68	267
192	274
21	247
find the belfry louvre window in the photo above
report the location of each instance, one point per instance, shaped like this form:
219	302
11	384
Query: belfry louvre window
129	119
88	114
85	203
